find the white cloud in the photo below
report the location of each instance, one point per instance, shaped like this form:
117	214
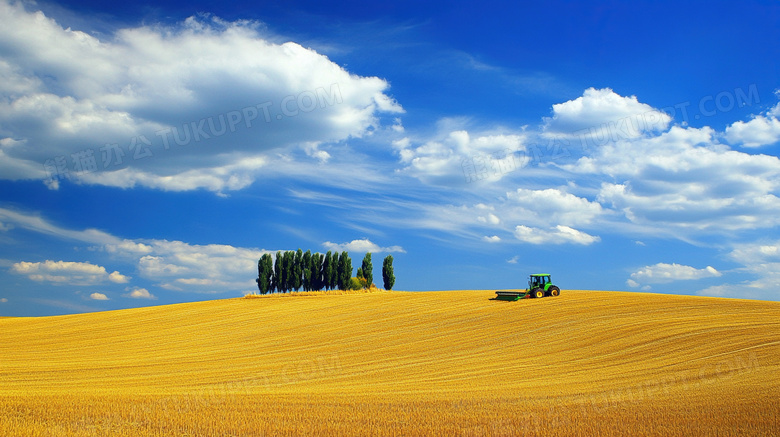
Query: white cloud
760	131
633	284
67	272
361	246
118	278
128	247
312	150
684	180
397	125
219	268
98	296
557	235
532	210
233	176
37	224
157	267
192	105
210	268
460	156
3	300
662	273
552	205
756	253
760	260
600	116
139	293
489	218
492	238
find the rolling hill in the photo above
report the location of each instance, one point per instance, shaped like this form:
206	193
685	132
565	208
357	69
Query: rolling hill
398	363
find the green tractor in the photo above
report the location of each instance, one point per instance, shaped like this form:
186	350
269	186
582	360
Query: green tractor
539	285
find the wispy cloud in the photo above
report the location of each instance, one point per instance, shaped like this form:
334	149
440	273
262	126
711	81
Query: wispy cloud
174	265
557	235
361	246
68	272
66	305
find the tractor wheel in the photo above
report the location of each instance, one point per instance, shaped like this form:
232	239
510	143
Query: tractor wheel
555	291
537	293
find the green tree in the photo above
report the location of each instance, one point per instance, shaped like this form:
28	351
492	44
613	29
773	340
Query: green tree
306	265
326	271
269	267
260	275
277	285
368	269
282	284
344	272
340	267
314	271
297	278
265	273
321	276
334	271
288	270
388	277
306	281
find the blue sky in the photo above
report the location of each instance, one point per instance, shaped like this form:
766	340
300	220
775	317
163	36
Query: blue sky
151	153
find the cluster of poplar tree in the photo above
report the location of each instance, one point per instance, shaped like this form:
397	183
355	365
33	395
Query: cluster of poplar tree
295	270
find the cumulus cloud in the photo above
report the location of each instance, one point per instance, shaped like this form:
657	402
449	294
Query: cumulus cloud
461	156
663	273
654	178
361	246
139	293
67	272
557	235
684	179
196	104
3	300
552	205
118	278
98	296
600	116
762	130
492	238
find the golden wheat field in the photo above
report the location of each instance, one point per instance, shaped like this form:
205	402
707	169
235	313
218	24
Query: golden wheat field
397	363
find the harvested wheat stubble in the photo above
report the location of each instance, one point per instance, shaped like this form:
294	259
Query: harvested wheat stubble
396	363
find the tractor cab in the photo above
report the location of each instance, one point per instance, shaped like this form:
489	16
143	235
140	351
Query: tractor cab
540	285
539	280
